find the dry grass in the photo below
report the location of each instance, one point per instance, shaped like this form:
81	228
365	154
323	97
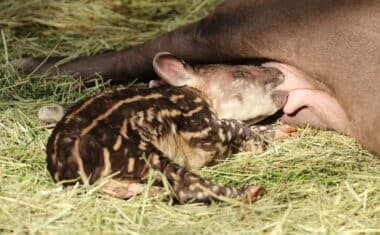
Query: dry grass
319	183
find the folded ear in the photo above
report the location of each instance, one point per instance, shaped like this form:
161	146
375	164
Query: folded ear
172	70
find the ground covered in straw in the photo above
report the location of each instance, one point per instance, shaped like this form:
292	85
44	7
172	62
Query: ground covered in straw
320	182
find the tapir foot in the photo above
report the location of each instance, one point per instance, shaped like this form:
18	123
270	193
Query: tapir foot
276	131
51	114
268	133
36	65
124	189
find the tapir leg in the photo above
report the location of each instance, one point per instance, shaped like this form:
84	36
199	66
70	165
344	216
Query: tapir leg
308	34
191	42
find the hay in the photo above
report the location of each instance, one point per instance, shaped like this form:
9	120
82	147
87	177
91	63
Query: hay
321	182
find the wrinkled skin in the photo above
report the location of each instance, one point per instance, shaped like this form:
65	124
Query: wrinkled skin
328	50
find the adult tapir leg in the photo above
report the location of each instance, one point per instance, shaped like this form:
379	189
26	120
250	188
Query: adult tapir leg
312	35
189	42
236	30
119	65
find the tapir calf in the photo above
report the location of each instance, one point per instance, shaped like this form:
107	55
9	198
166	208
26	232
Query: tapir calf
328	50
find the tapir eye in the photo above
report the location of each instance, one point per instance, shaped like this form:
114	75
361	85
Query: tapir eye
241	74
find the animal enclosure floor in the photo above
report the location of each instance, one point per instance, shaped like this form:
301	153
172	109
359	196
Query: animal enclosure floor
319	183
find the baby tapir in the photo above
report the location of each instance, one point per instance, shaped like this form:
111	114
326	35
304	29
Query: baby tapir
170	128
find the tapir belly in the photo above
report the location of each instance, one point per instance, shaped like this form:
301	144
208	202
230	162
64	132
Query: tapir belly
354	110
334	80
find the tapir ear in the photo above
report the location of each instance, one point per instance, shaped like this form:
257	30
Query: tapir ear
172	70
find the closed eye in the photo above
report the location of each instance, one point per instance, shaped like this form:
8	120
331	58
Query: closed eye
241	74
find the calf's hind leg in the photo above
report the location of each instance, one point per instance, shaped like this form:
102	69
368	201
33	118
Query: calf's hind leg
190	187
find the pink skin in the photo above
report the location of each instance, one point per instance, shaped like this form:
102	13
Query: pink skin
310	103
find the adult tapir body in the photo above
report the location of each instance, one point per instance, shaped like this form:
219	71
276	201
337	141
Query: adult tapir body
329	51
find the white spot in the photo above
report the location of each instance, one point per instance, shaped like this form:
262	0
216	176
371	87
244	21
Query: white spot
200	195
131	164
221	135
124	128
79	161
175	98
215	188
262	128
197	100
107	162
229	135
141	120
150	114
194	186
173	128
118	142
159	118
197	134
142	145
193	178
190	113
175	176
156	159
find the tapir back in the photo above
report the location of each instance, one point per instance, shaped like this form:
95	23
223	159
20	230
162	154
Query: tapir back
111	131
131	131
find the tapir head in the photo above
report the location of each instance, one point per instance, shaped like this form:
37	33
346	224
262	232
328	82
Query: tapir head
243	92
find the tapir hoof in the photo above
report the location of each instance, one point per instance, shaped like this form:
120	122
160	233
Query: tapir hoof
253	193
51	114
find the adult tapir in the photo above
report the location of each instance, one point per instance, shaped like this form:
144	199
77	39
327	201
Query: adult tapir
329	51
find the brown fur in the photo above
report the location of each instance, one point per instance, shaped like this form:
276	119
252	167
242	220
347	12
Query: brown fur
133	130
336	43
